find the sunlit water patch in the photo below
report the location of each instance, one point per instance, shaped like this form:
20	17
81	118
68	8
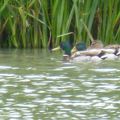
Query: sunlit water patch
37	85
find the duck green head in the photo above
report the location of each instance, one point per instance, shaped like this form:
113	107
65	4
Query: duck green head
66	46
79	47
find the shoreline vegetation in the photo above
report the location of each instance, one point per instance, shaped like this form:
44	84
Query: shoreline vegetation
44	23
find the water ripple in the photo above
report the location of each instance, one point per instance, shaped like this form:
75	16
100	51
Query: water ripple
50	89
8	67
104	70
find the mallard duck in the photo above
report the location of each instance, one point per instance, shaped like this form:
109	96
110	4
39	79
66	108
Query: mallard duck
67	46
83	54
95	44
68	51
98	52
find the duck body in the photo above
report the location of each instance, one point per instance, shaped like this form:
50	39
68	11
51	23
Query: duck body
81	58
89	54
96	55
109	56
96	59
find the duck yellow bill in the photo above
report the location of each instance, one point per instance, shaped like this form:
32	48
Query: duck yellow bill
74	50
56	49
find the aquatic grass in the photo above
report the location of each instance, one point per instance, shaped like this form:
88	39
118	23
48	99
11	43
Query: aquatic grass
109	27
45	23
3	5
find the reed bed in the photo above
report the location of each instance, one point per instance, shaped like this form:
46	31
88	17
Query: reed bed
44	23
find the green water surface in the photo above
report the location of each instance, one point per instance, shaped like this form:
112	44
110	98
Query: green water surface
37	85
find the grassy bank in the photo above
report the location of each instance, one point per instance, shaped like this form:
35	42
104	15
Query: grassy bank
43	23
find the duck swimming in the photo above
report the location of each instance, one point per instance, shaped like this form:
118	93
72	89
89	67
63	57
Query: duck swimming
68	51
80	53
95	44
98	52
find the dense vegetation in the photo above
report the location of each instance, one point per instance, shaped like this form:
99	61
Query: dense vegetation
41	23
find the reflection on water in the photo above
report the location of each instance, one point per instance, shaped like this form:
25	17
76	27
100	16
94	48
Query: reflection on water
36	85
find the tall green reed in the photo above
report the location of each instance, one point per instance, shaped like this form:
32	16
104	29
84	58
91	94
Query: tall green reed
41	23
109	17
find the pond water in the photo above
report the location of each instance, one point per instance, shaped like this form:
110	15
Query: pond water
37	85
